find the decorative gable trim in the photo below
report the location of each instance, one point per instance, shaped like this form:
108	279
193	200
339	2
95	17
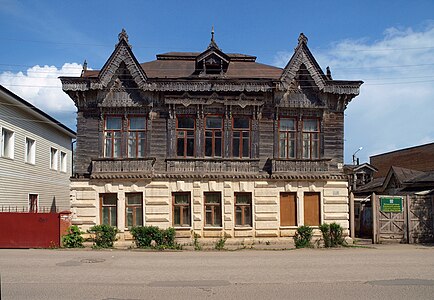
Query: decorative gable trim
122	53
301	56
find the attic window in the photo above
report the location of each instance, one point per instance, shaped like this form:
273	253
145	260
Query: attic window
213	65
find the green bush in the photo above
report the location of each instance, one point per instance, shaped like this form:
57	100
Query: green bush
104	235
303	236
154	237
325	230
332	235
73	238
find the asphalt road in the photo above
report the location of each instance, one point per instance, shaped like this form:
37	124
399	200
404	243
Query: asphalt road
387	272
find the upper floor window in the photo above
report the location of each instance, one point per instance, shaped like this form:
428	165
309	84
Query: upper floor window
310	138
213	136
29	154
287	138
7	143
113	137
53	158
136	136
241	137
63	162
185	136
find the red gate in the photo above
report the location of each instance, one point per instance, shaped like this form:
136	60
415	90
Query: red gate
32	230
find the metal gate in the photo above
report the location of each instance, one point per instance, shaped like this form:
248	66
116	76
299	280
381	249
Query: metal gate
32	230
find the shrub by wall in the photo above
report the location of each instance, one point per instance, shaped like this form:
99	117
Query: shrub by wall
154	237
104	235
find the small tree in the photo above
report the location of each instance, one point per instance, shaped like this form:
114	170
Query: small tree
332	235
303	237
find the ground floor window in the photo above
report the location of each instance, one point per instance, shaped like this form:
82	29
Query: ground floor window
243	209
134	209
288	209
108	206
181	209
213	209
312	215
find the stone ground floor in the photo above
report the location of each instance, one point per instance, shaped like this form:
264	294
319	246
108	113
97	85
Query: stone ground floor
245	210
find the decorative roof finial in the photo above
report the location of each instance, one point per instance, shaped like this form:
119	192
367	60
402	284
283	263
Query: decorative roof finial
213	44
84	67
329	73
123	35
302	39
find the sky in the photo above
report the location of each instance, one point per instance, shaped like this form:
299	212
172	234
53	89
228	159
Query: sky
387	44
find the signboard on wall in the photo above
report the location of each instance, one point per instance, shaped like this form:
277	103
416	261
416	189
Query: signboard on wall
391	204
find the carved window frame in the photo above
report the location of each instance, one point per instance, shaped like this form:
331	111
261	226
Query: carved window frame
213	137
241	131
287	138
137	139
185	132
113	138
312	137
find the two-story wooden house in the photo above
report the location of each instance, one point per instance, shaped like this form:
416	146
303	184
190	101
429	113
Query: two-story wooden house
210	142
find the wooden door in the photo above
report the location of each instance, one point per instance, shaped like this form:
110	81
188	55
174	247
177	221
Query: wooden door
312	216
288	209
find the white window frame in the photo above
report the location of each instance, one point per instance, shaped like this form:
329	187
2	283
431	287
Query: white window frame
10	143
30	159
63	161
54	160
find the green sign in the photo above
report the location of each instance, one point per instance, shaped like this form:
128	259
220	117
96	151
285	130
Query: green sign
391	204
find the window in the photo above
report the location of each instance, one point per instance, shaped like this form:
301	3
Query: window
312	209
136	136
288	209
243	209
63	161
7	145
181	210
185	131
33	203
29	155
113	137
133	209
241	137
287	138
53	159
310	138
213	136
213	209
108	211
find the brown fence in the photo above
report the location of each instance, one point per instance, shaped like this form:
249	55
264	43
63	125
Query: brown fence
32	230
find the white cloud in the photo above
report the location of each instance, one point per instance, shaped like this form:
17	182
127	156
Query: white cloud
395	108
42	87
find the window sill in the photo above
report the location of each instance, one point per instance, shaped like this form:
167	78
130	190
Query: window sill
243	227
288	227
7	157
182	228
30	163
212	228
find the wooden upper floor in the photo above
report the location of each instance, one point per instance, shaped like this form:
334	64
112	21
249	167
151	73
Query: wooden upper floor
208	114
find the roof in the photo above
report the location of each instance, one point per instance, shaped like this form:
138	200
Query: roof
36	111
182	65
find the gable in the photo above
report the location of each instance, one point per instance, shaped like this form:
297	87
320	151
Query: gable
302	69
122	54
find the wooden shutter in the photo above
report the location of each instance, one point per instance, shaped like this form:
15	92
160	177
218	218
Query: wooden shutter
288	209
312	209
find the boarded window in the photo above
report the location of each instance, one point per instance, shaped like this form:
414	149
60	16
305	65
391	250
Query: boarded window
109	209
288	209
312	209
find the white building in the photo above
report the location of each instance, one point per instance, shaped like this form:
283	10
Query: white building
35	157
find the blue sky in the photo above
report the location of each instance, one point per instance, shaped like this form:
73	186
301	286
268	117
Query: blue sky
387	44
